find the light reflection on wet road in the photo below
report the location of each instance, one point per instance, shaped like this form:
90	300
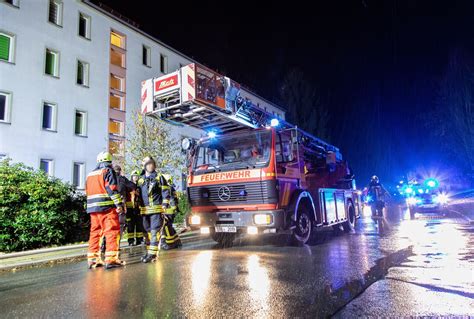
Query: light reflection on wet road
419	267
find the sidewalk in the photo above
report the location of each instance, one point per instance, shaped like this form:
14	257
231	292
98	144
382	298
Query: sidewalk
69	253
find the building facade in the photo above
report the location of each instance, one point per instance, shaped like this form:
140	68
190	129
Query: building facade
70	75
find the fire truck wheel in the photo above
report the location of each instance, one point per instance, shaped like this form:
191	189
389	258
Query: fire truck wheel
303	226
224	239
349	225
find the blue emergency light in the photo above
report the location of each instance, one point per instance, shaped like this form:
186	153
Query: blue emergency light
274	122
431	182
211	134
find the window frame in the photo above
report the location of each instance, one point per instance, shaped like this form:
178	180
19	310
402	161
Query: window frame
58	55
59	12
122	101
54	120
17	5
147	49
121	142
51	165
82	175
163	63
88	18
122	128
8	106
84	124
85	76
122	83
120	35
11	49
123	65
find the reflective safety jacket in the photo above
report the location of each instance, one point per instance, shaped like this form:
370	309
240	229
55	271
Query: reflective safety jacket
102	189
126	189
173	206
154	194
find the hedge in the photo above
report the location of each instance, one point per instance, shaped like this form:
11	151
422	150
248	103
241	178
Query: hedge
37	210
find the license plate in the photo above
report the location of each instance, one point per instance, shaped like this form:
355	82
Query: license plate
226	229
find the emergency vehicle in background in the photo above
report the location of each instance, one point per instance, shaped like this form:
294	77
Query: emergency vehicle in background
253	173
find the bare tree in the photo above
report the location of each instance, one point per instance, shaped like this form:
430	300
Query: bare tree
452	119
304	104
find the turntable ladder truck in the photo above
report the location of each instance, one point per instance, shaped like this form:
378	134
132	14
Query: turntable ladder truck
253	173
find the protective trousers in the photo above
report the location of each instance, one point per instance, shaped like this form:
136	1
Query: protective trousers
134	226
171	237
152	224
104	224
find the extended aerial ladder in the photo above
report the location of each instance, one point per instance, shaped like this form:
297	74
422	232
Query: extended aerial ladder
196	96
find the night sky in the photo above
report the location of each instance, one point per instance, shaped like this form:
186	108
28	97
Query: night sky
375	64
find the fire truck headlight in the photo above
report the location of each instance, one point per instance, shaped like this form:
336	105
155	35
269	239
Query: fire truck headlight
262	219
205	230
195	220
442	199
252	230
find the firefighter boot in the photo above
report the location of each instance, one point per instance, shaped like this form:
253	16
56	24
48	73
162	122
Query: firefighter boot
114	264
148	258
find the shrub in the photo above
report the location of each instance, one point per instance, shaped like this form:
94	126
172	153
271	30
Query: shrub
183	207
37	210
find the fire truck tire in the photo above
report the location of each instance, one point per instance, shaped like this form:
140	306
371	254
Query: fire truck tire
349	225
224	239
303	226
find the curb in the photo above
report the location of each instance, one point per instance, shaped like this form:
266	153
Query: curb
68	253
470	221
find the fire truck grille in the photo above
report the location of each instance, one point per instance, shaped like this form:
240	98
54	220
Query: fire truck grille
262	192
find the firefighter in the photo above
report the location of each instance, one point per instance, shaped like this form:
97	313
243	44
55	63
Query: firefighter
377	195
124	187
134	219
154	200
171	239
104	204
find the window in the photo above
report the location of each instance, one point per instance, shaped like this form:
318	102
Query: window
49	116
117	39
56	12
46	165
116	83
117	58
78	173
116	127
84	26
52	63
80	123
116	147
146	56
15	3
116	102
6	47
163	63
82	73
5	106
284	151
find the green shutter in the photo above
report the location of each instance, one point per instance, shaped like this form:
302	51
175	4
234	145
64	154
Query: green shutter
78	129
49	63
80	73
4	47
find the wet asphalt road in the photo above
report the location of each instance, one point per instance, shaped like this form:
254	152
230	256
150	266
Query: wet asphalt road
420	267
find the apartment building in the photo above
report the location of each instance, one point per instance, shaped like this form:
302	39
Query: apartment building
70	75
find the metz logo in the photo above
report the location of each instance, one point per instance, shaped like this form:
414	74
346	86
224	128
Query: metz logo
166	83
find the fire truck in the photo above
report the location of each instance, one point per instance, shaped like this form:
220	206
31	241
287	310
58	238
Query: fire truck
252	173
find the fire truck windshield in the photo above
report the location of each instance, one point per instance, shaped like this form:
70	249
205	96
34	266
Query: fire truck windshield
232	152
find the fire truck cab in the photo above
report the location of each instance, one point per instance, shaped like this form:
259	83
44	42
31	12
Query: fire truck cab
252	173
